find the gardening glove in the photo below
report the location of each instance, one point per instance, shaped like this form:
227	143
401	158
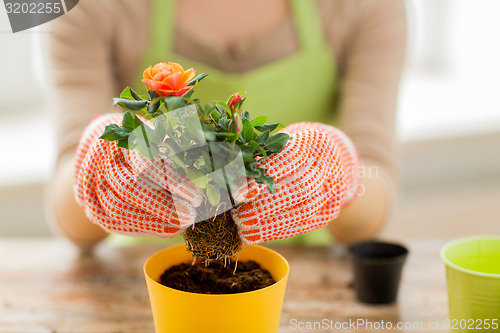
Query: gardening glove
126	193
315	176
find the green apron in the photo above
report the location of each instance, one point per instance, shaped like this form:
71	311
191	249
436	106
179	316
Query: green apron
299	87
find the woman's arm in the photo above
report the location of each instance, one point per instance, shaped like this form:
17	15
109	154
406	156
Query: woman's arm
67	217
83	85
364	218
373	57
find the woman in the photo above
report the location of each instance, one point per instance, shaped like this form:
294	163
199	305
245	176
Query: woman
333	61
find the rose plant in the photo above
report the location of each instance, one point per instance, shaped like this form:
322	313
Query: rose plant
172	87
171	165
157	135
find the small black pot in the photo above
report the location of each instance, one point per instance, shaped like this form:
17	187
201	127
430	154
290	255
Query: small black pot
377	270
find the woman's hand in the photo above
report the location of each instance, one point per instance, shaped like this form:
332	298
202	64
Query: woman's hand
67	218
123	192
366	216
126	193
315	176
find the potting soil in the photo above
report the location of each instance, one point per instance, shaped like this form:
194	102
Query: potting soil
217	278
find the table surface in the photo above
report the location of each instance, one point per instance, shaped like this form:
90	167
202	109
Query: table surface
45	286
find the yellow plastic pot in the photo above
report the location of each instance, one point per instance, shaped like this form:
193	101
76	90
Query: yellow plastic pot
177	311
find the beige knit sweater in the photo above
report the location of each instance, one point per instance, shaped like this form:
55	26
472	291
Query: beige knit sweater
96	49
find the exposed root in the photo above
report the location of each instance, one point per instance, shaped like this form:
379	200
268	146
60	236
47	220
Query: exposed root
214	238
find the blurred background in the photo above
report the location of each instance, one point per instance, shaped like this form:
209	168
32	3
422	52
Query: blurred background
448	124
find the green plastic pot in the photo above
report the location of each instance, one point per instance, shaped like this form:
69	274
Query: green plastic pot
473	280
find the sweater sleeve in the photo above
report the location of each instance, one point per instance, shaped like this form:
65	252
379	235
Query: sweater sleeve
372	64
80	52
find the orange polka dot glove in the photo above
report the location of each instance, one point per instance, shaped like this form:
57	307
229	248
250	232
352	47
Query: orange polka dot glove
126	193
315	176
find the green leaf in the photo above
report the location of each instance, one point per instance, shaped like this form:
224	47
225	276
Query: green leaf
174	102
267	127
259	121
268	180
215	116
123	143
222	108
201	182
131	121
152	95
198	178
197	79
224	123
277	142
245	115
208	109
213	194
248	133
260	177
129	103
257	148
197	102
255	171
254	144
248	154
248	158
114	132
129	93
152	108
262	138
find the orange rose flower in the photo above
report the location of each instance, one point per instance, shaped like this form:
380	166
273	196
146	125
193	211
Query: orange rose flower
168	78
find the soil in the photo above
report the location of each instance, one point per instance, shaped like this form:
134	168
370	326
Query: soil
217	278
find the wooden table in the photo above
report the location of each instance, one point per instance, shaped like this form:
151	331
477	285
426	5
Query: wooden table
46	287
